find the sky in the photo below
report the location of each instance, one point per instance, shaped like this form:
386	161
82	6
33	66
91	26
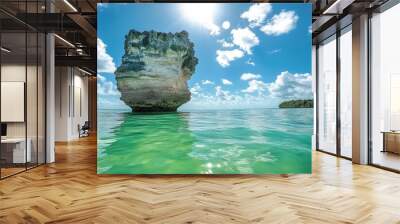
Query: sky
250	55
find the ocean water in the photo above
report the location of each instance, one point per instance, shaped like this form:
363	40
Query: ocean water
257	141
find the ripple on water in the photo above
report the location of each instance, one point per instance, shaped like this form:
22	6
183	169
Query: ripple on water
242	141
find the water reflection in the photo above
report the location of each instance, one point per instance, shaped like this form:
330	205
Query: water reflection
239	141
151	143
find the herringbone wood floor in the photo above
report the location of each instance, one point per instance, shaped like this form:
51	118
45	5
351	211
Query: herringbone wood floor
69	191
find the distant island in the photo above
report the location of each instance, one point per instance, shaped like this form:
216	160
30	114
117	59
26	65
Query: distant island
296	104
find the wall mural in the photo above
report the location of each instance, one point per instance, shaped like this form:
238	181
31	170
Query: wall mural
204	88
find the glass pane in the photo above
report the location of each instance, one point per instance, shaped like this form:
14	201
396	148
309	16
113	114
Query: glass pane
13	86
41	98
385	89
327	95
31	98
22	88
32	89
346	92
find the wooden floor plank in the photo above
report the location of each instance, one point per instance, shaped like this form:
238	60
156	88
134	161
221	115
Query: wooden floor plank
70	191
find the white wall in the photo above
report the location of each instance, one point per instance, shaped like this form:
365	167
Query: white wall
33	126
80	110
17	73
71	102
13	101
61	103
13	73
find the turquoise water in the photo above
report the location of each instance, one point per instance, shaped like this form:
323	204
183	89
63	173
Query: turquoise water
259	141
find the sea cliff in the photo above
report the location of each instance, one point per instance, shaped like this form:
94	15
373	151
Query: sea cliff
155	69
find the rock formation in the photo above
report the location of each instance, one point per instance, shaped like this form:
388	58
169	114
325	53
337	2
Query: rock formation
155	69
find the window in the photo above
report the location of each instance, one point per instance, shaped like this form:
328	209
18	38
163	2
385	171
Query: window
346	92
385	89
327	95
22	77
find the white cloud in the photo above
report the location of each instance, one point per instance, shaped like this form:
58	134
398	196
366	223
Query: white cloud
245	39
275	51
111	102
229	100
226	82
222	94
207	82
195	89
226	25
258	94
109	94
255	86
225	57
224	99
224	43
257	13
249	76
105	62
291	86
212	28
281	23
250	62
310	29
106	87
101	78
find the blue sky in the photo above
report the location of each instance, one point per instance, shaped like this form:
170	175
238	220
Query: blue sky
250	55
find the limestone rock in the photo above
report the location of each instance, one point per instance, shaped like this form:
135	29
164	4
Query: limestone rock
155	69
